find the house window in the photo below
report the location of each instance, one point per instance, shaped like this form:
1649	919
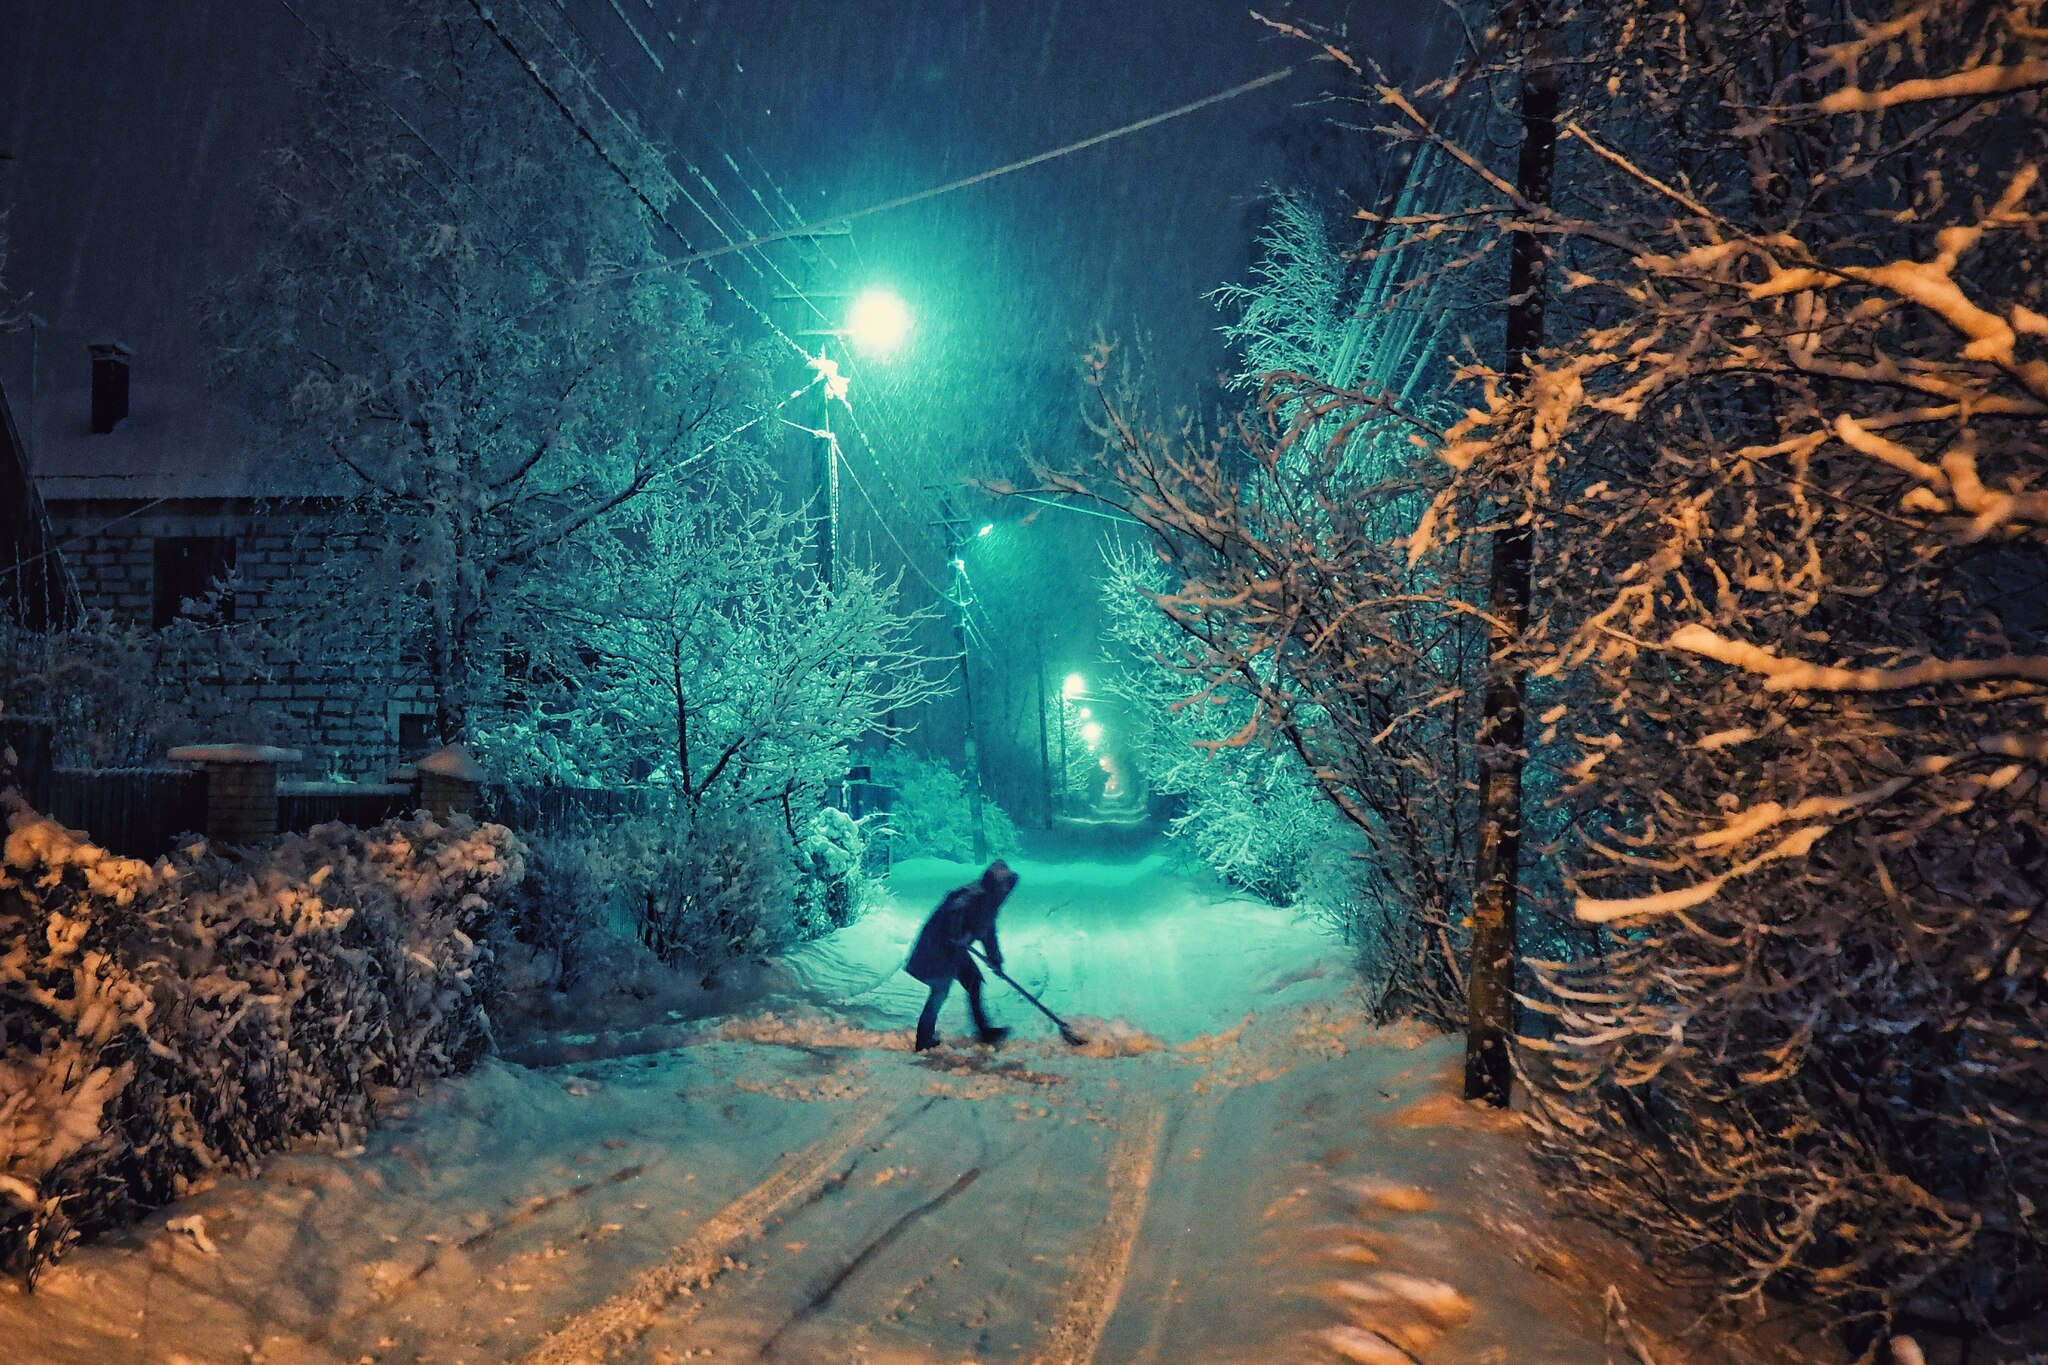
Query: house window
415	736
188	567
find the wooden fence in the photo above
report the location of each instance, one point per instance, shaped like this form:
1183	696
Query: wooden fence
302	805
136	812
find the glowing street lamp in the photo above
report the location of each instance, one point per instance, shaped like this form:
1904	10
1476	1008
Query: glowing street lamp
878	322
1074	686
1092	732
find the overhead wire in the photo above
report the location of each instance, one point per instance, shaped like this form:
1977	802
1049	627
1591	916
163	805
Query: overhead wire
867	441
969	603
980	177
561	106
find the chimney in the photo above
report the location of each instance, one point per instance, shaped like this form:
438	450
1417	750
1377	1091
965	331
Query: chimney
109	385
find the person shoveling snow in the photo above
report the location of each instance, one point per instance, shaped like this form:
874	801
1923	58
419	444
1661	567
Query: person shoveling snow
942	954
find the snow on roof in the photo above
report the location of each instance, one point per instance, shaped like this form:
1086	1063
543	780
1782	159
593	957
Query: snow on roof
455	762
233	753
175	442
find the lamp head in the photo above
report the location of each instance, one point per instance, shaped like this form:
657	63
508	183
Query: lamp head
878	322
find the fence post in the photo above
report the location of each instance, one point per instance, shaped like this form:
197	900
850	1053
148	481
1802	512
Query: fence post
241	788
448	781
25	758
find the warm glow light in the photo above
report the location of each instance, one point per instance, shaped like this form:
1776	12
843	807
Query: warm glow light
1086	713
961	565
986	528
1074	686
878	322
1092	732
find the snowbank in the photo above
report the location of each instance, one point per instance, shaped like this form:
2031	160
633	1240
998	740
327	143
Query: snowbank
162	1023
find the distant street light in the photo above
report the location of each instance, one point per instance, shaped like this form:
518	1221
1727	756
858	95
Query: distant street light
1074	686
1092	732
986	527
878	322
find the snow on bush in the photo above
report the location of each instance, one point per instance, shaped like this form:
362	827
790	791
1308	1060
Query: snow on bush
614	917
931	815
160	1024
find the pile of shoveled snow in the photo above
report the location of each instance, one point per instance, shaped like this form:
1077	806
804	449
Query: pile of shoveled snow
1107	1038
807	1026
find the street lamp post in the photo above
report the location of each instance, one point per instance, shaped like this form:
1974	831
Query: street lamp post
876	323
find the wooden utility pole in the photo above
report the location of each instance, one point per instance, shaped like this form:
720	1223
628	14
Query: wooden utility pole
1490	999
813	312
970	749
828	475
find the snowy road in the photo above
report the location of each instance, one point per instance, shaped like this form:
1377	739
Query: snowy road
1239	1170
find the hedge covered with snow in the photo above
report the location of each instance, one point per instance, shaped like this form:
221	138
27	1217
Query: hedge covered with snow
163	1023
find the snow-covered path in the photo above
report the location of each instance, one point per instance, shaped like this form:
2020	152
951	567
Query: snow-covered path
1238	1170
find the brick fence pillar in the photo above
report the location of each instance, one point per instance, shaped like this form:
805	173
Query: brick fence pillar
448	781
241	788
25	759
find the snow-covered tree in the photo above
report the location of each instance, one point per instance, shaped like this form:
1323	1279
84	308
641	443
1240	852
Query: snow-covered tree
695	650
466	328
1781	465
1251	813
1292	643
1292	608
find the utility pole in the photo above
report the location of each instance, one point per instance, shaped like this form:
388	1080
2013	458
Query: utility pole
970	750
828	475
809	305
1490	992
1044	745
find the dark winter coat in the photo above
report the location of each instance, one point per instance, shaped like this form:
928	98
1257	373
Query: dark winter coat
967	915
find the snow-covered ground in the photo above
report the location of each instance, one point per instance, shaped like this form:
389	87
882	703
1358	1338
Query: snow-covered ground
1236	1169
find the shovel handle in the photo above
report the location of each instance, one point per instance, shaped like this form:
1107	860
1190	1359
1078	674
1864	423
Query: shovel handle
1067	1033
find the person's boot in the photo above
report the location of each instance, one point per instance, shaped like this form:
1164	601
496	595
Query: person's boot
992	1034
926	1042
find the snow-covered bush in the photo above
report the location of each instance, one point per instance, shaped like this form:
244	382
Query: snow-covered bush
120	694
563	905
832	868
161	1024
715	889
930	812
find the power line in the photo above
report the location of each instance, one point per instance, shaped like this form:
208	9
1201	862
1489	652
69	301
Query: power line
713	193
919	196
756	245
561	106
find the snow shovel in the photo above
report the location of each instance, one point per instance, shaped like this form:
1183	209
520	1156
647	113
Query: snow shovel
1067	1033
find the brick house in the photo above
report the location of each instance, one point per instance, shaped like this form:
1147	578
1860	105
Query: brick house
36	588
157	494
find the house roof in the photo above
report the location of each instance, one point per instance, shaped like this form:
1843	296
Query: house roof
174	443
35	588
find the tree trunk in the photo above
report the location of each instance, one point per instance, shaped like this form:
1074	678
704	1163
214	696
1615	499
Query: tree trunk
1489	1073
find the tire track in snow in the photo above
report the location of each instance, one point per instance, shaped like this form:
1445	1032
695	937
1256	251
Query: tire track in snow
886	1239
593	1335
1094	1288
383	1296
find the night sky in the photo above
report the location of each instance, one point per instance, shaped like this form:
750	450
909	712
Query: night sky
136	136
